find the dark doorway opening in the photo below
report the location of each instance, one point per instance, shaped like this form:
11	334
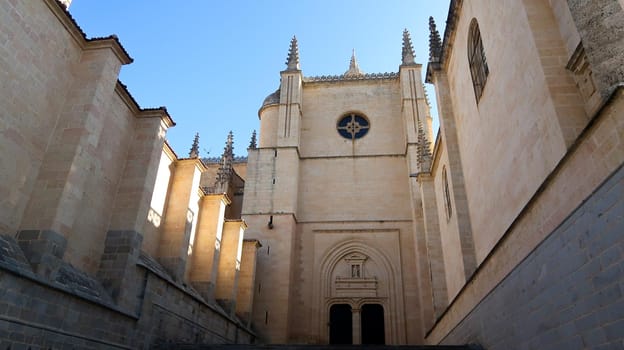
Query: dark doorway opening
340	324
373	330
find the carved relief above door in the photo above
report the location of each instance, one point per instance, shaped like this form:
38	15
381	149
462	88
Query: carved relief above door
353	274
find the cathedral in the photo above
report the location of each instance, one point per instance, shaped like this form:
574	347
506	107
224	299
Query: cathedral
350	221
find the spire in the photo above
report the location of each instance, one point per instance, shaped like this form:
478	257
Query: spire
423	156
292	61
435	43
228	150
252	143
225	170
354	69
194	152
408	49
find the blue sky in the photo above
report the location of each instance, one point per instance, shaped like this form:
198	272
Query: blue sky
212	63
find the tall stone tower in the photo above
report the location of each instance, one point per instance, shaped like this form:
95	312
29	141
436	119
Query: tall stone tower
330	196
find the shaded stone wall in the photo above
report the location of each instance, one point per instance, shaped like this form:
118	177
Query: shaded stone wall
567	294
74	310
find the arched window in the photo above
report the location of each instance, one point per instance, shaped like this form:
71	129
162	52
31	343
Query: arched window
447	194
476	59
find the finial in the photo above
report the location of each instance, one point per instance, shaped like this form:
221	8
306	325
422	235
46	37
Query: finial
225	170
354	69
292	62
228	150
194	152
426	95
252	143
435	43
423	156
408	49
66	3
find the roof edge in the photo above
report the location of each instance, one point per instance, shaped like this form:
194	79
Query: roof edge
159	112
112	42
169	151
70	24
343	78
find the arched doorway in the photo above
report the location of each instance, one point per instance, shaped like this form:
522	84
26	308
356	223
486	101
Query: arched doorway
377	283
340	324
373	328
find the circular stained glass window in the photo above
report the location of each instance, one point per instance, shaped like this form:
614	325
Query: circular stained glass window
353	126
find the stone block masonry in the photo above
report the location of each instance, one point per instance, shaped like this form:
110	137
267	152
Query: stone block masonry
79	194
75	312
44	249
568	293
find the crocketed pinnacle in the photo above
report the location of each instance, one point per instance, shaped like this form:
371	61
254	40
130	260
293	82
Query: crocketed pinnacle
194	152
225	170
423	156
408	49
252	143
354	69
292	62
435	43
426	95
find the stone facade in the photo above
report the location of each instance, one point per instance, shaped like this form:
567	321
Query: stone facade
506	230
315	200
446	234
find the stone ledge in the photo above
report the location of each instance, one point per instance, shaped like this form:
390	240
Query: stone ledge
68	280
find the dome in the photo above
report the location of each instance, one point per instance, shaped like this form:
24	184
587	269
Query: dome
272	99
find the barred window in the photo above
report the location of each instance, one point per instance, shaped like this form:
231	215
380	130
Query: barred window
476	59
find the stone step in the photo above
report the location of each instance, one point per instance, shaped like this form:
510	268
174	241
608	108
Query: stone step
314	347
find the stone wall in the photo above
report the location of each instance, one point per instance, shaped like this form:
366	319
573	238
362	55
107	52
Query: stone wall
86	174
35	72
74	310
449	233
567	294
543	171
529	104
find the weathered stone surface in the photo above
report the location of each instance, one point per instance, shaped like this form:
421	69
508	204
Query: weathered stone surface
567	293
600	24
514	239
12	257
80	188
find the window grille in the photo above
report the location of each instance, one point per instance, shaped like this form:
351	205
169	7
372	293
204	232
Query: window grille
476	59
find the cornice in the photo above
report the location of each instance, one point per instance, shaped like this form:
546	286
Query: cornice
160	112
67	21
410	65
343	78
242	222
111	42
221	196
196	161
169	151
254	241
72	27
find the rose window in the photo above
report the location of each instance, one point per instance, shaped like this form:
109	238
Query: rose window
353	126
